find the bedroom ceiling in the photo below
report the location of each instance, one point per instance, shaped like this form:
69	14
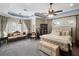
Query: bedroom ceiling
28	9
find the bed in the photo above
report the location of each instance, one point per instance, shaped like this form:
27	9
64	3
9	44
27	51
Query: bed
60	36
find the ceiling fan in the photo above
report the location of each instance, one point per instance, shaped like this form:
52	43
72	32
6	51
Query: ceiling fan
51	12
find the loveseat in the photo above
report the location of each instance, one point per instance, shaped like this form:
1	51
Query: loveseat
16	36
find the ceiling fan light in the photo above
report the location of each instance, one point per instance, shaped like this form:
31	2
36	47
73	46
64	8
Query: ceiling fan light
50	16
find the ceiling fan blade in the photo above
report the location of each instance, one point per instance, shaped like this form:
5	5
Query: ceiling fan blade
40	15
44	13
54	14
58	11
37	14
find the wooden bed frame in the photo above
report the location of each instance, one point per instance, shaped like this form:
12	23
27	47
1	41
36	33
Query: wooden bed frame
69	53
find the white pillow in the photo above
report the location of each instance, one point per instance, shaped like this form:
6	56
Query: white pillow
55	33
65	33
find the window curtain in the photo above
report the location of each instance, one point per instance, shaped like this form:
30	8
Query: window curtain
0	27
28	25
3	22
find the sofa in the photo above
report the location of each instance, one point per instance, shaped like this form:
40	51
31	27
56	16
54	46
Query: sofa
16	35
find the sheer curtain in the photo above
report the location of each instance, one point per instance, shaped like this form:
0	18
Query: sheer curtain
12	26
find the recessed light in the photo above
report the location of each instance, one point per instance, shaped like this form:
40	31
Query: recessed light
71	4
25	9
19	13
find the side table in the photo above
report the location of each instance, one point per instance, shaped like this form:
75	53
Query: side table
3	39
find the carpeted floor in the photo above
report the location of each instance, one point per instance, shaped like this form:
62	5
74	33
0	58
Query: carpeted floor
75	50
25	47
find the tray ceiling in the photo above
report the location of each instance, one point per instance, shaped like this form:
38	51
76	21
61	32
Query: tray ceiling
28	9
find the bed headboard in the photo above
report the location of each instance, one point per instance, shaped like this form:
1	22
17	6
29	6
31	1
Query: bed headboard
65	30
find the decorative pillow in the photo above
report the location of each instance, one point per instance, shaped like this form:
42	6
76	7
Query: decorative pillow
64	33
9	35
14	34
67	33
60	33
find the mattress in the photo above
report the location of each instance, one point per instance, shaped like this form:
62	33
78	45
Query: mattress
62	41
